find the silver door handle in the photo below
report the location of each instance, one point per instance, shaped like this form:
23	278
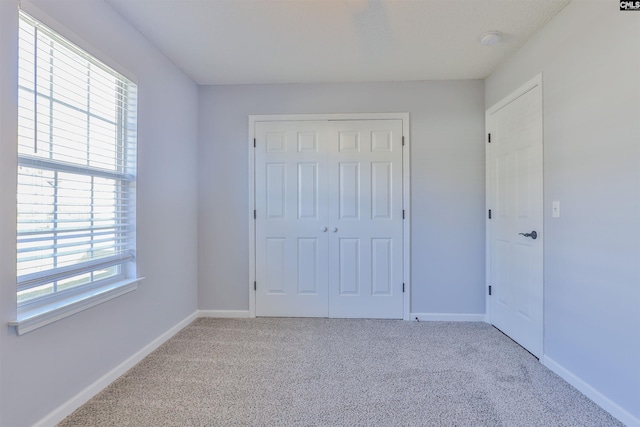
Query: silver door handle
324	229
335	229
533	235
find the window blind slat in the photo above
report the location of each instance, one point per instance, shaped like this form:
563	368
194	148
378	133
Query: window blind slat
60	232
87	249
96	243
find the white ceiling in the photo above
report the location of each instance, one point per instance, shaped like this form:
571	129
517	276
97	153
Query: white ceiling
302	41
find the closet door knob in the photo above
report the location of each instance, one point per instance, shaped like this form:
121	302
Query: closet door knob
335	229
324	229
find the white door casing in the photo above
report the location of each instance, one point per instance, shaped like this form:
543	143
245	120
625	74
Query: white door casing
515	200
344	213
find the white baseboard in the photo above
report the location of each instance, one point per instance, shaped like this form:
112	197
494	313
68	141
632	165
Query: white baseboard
232	314
448	317
81	398
600	399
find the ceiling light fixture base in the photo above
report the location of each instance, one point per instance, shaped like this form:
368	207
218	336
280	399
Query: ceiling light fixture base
490	38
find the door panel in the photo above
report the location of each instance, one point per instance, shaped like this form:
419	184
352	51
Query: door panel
365	213
349	266
308	266
308	190
514	168
349	190
349	141
382	191
276	178
276	266
291	246
382	266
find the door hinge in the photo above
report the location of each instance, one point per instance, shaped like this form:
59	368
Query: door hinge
489	289
255	286
403	140
255	214
403	288
489	213
489	138
254	143
402	213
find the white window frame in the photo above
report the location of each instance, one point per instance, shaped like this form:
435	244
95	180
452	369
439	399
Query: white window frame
45	310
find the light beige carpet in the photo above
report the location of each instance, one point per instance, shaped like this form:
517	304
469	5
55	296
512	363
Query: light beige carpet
326	372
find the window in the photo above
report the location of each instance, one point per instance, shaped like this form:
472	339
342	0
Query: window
76	170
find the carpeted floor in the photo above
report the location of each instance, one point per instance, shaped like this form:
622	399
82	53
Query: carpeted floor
327	372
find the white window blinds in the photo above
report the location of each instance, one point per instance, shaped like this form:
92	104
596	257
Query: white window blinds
76	167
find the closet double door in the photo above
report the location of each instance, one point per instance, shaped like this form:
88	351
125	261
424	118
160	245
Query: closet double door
328	197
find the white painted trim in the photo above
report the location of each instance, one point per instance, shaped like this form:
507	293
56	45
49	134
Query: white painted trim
534	82
600	399
329	116
406	191
64	410
448	317
406	205
252	221
63	308
487	224
229	314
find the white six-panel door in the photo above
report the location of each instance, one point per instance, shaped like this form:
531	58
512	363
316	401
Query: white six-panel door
365	212
291	219
328	197
515	197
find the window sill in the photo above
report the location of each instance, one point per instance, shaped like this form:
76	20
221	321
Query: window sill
31	319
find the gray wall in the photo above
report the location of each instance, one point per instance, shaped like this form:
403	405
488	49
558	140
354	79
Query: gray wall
447	183
43	369
590	59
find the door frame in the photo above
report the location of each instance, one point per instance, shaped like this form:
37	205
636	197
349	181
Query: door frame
406	200
536	81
